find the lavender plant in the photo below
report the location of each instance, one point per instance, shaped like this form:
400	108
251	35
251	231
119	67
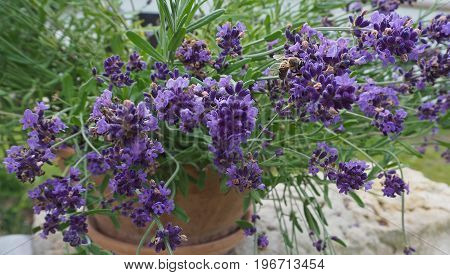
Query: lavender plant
306	106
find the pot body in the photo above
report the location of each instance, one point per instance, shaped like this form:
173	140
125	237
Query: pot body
212	214
211	228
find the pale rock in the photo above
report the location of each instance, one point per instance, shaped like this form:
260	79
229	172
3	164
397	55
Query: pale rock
375	229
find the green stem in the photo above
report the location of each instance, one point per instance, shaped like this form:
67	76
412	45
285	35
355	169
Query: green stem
66	139
85	137
142	241
356	147
177	169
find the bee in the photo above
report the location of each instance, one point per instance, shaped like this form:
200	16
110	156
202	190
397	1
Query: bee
291	63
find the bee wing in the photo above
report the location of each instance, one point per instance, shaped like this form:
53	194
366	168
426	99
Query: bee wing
278	57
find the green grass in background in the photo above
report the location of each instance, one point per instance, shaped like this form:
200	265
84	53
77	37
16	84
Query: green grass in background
432	165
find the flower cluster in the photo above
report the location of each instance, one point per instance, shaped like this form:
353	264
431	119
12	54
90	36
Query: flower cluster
160	71
113	70
439	29
59	196
316	75
77	230
120	121
170	235
261	240
431	110
393	185
177	102
27	162
250	231
379	102
432	66
96	163
318	243
323	156
245	176
388	36
153	201
228	38
230	123
194	54
350	176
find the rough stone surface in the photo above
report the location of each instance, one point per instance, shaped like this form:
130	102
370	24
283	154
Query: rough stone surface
375	229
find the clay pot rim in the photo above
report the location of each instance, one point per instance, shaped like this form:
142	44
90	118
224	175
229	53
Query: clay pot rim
222	245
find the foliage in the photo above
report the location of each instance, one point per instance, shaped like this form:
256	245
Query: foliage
263	119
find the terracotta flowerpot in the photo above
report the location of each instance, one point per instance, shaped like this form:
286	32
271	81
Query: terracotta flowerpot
211	228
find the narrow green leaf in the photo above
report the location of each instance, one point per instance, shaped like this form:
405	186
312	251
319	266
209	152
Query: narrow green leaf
410	149
181	214
244	224
67	87
273	36
83	93
311	221
339	241
267	23
287	241
205	20
236	65
443	143
357	199
144	45
177	39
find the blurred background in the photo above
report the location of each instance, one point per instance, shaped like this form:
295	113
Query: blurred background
47	49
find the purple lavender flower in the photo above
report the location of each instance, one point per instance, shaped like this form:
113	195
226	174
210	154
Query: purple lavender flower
439	28
116	121
57	196
27	162
228	38
194	54
433	65
262	241
250	231
96	164
161	71
390	123
246	177
323	156
409	250
428	111
135	64
350	176
317	79
375	98
393	185
320	245
177	102
389	36
75	235
127	181
230	123
113	70
171	234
